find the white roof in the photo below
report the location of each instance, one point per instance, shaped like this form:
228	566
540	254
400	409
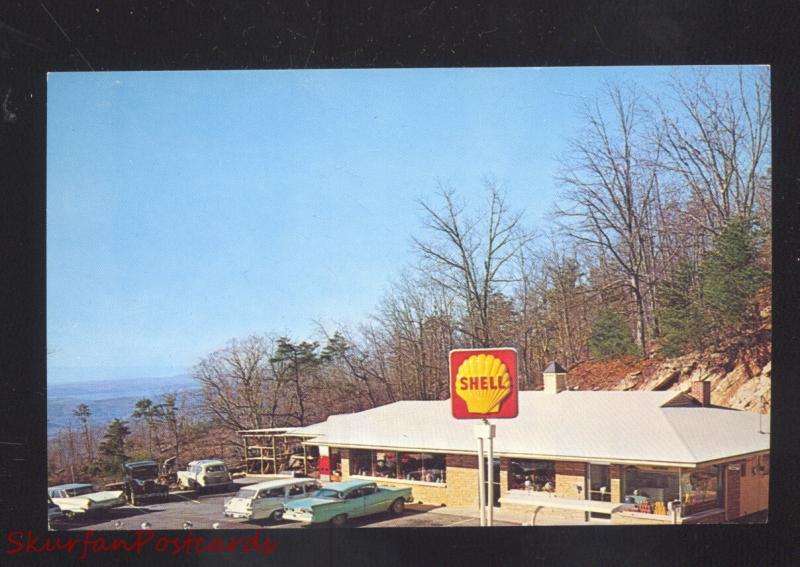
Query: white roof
603	426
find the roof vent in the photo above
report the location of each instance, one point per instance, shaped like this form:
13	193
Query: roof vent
555	378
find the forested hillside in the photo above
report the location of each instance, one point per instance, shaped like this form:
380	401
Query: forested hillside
652	270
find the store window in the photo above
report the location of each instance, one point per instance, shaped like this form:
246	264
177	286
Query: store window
361	462
427	467
386	464
701	489
649	490
532	475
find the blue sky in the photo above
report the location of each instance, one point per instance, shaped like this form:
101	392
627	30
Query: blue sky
188	208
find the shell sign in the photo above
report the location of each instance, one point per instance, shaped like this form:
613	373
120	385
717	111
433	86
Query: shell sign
483	383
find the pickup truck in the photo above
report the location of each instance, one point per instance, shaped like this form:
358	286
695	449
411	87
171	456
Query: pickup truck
82	498
337	502
203	474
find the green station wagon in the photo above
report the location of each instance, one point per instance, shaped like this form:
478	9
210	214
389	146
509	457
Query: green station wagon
337	502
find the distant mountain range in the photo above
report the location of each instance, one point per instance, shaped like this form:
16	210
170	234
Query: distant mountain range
108	399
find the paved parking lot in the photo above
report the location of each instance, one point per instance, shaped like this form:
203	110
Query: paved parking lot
205	510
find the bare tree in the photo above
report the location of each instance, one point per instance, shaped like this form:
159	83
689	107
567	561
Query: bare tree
471	256
239	388
611	189
718	144
419	319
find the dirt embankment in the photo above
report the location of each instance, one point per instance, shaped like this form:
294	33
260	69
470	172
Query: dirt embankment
739	371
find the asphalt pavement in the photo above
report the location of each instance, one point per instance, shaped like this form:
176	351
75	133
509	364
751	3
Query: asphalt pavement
206	511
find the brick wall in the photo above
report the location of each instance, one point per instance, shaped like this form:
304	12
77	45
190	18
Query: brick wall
462	480
504	466
617	476
426	494
754	489
568	475
732	491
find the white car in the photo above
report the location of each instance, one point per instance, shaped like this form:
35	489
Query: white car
266	499
204	473
78	498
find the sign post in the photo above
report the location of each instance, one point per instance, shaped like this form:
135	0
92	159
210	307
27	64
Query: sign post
481	484
483	384
485	431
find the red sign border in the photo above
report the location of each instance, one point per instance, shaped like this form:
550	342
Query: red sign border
509	408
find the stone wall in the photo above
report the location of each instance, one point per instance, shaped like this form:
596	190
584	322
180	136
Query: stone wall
541	515
715	518
641	519
568	475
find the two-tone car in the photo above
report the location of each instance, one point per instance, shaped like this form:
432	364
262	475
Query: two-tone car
266	499
81	498
337	502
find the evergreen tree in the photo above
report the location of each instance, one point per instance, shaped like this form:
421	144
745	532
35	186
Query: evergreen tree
112	449
611	336
679	312
167	413
730	274
83	413
295	364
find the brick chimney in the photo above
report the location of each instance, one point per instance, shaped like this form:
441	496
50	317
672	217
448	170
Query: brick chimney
701	391
555	378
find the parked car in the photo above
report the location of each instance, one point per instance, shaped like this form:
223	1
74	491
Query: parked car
81	498
204	473
266	499
337	502
142	483
53	511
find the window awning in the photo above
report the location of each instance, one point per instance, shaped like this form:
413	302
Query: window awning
541	501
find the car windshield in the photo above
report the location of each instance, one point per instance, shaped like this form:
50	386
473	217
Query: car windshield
80	491
144	473
246	493
327	493
215	468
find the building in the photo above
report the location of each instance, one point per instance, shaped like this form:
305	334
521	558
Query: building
618	456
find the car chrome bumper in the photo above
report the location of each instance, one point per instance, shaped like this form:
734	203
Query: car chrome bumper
238	515
298	516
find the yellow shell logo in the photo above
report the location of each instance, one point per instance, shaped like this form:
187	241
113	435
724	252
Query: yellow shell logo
482	382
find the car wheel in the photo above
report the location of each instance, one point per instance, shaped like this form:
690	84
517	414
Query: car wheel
398	506
339	521
277	515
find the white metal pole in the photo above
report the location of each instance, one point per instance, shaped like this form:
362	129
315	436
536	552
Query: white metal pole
481	508
490	483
